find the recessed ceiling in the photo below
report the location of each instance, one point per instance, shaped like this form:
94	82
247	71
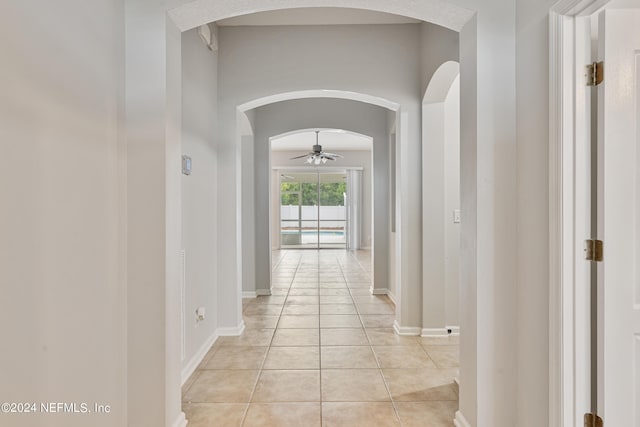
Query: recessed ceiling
331	140
317	16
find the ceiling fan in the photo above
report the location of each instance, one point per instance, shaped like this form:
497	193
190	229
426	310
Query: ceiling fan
317	156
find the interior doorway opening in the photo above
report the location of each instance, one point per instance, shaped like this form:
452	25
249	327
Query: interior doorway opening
325	206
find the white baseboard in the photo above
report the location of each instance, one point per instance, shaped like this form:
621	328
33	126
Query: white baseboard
190	367
383	291
249	294
232	331
406	330
181	420
441	332
392	297
460	420
263	292
455	330
434	332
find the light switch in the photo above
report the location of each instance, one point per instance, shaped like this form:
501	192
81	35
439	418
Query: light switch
456	216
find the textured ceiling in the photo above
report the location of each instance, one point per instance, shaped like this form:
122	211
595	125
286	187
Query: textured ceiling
332	141
317	16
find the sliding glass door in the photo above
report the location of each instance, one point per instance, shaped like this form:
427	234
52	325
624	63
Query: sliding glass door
312	210
332	223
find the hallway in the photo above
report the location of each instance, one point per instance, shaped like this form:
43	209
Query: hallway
321	351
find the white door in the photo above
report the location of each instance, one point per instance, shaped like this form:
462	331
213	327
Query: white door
619	219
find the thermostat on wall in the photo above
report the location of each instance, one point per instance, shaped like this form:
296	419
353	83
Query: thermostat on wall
186	165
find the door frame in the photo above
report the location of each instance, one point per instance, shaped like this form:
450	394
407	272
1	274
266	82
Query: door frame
567	362
298	169
318	171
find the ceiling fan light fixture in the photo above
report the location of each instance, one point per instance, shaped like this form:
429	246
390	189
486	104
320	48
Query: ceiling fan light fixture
317	156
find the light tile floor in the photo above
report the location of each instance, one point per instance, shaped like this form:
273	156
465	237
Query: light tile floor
321	351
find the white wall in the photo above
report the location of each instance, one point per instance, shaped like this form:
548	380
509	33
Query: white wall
199	216
439	43
351	158
532	65
262	61
451	202
62	247
391	208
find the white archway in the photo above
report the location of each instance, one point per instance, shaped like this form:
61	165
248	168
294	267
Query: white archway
149	21
434	217
330	118
198	12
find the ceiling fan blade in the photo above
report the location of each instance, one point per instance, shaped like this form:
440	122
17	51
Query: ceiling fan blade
332	154
328	157
300	157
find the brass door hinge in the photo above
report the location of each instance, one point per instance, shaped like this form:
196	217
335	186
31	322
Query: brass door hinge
595	73
594	250
592	420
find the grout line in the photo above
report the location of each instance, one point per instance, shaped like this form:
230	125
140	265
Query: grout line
384	380
261	370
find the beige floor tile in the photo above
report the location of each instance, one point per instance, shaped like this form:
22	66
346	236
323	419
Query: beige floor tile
288	386
375	308
222	386
343	336
334	285
250	337
296	337
353	385
263	310
334	291
338	309
304	285
355	357
190	381
413	385
377	320
360	414
445	340
205	414
339	321
299	322
290	310
283	415
360	292
444	356
269	299
387	336
427	414
301	299
280	292
402	357
333	277
237	357
335	299
304	292
293	358
260	322
359	283
371	299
